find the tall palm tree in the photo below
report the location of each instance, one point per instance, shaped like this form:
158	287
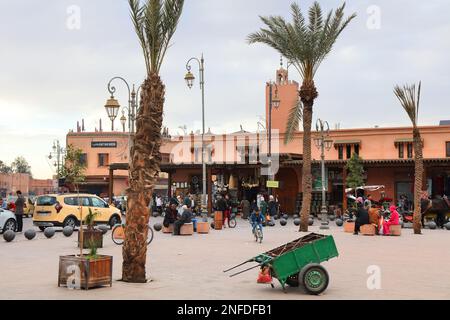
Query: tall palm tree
410	102
155	23
305	46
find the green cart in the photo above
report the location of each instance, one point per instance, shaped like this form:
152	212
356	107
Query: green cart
297	263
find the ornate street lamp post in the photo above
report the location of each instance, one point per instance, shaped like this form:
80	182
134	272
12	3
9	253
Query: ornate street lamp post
274	102
190	82
58	152
322	142
112	105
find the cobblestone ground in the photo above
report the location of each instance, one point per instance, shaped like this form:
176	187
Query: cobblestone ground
412	267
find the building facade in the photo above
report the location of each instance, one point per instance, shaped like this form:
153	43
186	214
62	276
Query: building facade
242	162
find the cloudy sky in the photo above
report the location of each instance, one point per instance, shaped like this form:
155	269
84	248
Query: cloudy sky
53	73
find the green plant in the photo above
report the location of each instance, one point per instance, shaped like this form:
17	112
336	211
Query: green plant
90	219
355	169
410	101
305	45
92	250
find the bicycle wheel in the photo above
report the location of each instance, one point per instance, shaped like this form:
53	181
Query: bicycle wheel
259	235
118	234
150	235
232	223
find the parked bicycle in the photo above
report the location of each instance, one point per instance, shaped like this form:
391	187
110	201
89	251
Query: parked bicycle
232	221
118	234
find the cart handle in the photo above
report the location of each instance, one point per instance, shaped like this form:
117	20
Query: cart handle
251	260
258	265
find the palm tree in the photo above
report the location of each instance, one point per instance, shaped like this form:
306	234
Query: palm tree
409	102
305	46
155	23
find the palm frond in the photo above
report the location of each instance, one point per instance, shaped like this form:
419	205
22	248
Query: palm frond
407	97
155	23
305	45
295	116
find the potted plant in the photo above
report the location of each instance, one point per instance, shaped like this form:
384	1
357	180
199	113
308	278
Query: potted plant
90	234
83	271
86	271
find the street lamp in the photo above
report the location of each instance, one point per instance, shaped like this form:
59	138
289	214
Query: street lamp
112	107
322	142
58	152
190	82
274	102
112	104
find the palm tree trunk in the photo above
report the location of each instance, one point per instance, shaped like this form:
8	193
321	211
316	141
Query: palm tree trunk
418	180
308	93
144	169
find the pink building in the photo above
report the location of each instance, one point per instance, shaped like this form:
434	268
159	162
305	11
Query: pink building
238	163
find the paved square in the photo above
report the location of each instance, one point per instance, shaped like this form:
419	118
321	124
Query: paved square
412	267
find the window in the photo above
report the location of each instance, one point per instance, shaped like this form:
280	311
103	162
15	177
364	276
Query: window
72	201
103	159
349	151
447	149
83	159
341	152
410	150
357	149
401	150
96	202
46	201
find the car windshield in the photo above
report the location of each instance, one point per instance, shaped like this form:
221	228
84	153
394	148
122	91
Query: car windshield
46	201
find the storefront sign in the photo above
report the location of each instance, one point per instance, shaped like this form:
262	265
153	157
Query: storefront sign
104	144
273	184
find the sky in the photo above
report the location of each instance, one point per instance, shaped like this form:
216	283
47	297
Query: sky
57	56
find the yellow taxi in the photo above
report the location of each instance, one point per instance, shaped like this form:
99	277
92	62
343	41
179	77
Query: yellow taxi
61	210
29	209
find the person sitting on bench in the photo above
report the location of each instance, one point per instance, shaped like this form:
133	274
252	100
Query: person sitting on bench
186	217
171	215
393	221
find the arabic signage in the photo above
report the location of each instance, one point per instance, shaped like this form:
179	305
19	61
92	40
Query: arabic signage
104	144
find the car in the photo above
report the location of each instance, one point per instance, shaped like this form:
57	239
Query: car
7	221
29	209
62	210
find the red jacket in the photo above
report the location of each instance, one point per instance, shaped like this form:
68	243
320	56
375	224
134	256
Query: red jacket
394	219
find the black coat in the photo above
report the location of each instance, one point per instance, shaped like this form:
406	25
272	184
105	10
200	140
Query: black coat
362	216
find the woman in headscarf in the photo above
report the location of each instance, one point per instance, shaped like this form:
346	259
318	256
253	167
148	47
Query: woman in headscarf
393	220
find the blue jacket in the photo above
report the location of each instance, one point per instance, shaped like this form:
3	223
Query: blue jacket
257	219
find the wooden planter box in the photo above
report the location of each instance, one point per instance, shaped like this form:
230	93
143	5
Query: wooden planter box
80	273
202	227
91	235
169	229
349	227
368	230
218	220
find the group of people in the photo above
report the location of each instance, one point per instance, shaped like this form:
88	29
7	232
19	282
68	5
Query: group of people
180	210
366	214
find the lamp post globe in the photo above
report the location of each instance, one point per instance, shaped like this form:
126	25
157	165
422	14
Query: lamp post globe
189	79
112	107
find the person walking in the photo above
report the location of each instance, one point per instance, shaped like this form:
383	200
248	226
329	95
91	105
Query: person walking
20	204
245	205
273	207
159	204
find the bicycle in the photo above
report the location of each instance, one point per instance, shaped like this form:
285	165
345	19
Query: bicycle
258	233
118	234
232	221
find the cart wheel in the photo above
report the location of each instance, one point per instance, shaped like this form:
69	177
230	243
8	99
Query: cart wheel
292	281
314	278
